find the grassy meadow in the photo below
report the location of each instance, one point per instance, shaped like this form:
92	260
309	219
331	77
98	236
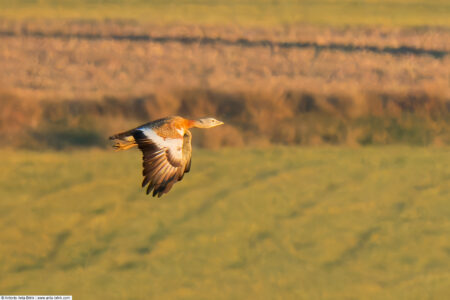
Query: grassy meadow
246	13
274	223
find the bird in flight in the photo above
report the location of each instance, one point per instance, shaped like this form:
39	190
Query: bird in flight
166	148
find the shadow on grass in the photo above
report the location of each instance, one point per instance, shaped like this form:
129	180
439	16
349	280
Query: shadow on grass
352	252
59	241
61	138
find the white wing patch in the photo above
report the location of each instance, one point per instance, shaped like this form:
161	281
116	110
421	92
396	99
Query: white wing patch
180	131
175	146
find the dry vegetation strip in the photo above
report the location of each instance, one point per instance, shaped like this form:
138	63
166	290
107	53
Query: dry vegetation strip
427	38
240	42
62	85
252	118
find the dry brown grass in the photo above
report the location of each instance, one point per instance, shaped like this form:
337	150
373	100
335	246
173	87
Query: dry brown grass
436	38
252	118
78	81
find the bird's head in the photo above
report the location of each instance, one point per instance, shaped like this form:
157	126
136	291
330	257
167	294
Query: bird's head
207	123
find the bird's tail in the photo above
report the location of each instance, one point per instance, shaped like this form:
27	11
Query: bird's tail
123	140
122	135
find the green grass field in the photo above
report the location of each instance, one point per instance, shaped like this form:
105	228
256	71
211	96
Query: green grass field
261	12
278	223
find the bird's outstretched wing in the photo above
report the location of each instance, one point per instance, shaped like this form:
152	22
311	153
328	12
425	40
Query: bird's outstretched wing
164	160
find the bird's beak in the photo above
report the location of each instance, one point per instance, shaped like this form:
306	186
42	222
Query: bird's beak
220	123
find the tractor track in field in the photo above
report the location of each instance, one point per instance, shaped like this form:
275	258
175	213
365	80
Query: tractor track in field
240	42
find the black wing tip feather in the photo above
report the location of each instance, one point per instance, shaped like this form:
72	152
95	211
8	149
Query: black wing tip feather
162	188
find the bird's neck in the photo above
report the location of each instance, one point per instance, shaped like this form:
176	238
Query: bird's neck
198	124
179	122
186	124
190	123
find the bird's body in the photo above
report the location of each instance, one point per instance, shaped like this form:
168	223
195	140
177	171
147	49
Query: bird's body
166	148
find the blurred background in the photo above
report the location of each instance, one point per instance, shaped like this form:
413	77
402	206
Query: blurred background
330	179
